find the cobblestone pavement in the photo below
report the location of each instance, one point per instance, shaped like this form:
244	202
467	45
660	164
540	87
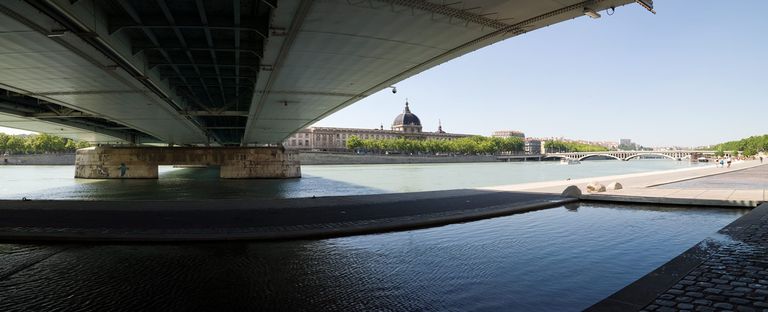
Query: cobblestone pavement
734	278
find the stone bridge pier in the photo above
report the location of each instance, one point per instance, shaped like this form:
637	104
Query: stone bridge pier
141	162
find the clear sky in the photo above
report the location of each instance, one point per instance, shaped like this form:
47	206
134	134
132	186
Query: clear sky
694	74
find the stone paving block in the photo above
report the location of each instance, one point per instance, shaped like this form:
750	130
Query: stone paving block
685	306
745	309
703	302
665	303
675	292
683	299
739	301
723	305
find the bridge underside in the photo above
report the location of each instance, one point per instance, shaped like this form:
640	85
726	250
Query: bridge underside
233	72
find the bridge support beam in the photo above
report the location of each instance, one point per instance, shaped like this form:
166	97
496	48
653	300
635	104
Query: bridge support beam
142	162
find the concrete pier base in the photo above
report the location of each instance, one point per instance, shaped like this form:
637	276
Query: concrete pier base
142	162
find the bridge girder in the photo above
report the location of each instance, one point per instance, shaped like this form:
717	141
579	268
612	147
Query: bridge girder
288	63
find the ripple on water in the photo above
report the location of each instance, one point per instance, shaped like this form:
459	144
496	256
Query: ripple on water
547	260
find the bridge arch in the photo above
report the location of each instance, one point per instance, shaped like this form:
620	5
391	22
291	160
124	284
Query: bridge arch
654	154
558	156
593	155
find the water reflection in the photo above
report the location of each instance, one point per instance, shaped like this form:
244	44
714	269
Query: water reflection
548	260
199	183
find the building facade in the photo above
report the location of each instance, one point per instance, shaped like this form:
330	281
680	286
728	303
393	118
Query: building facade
406	125
508	134
533	146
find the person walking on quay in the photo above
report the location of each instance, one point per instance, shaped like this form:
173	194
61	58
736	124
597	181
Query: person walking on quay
728	161
721	163
761	159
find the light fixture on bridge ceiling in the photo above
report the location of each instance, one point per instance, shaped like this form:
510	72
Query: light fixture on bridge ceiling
591	13
394	89
56	33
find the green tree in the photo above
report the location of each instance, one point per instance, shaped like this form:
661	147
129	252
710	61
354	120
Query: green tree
354	143
39	143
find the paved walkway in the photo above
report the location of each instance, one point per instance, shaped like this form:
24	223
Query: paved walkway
748	179
743	185
726	272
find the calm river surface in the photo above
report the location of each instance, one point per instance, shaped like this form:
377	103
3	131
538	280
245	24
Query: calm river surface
555	259
56	182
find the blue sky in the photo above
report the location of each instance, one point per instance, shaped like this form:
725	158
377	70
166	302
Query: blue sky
694	74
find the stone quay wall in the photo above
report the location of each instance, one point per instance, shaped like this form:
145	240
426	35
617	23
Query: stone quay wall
327	158
39	159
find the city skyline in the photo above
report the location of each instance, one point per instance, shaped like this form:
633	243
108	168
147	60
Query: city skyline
692	75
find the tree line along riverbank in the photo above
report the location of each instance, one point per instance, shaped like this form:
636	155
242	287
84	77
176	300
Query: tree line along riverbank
474	145
37	144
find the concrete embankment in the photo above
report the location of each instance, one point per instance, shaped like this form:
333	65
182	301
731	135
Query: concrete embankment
258	219
39	159
325	158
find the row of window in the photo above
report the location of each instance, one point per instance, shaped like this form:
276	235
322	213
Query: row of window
300	142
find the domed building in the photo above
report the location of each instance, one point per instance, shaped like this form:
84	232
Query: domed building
407	122
405	125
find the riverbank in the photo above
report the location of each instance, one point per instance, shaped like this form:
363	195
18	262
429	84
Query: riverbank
39	159
331	158
306	158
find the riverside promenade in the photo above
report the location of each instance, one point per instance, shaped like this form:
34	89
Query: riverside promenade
744	184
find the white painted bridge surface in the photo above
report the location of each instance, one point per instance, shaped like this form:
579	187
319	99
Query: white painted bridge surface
234	71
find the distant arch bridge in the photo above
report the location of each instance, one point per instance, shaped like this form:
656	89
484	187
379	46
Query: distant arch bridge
627	155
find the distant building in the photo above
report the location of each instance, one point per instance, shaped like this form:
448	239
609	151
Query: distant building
533	146
406	125
626	142
508	134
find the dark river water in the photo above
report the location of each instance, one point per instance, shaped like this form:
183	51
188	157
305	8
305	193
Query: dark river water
549	260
